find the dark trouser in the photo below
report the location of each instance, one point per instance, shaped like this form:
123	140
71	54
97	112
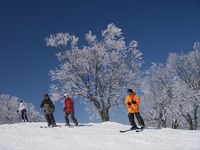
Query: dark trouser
50	119
72	117
23	114
139	119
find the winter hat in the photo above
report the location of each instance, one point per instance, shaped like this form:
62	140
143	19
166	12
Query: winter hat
66	95
46	95
129	91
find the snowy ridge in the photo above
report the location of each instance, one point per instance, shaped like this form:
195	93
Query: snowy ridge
98	136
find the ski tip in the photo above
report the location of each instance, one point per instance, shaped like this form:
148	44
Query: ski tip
123	131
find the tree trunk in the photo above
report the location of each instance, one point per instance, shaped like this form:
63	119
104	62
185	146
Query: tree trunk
102	110
175	124
195	117
104	115
188	119
164	122
160	120
190	123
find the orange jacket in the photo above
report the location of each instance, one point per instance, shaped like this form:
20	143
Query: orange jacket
132	108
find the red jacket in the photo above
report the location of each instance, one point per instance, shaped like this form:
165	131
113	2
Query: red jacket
69	105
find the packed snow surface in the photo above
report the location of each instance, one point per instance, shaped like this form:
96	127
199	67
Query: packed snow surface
94	136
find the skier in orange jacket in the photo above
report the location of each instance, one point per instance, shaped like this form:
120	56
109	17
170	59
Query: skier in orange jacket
132	103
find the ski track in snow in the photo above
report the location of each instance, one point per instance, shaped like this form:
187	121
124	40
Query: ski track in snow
98	136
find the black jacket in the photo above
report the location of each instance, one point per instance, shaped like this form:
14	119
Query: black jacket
48	106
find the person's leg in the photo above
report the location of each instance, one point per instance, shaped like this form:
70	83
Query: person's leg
26	118
140	119
73	118
52	120
131	120
48	119
22	115
66	119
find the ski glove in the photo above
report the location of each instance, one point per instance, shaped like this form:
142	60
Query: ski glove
134	102
129	103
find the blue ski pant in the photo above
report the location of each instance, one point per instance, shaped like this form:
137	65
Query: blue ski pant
23	115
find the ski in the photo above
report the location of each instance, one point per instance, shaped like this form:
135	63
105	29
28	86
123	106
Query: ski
44	127
137	130
50	126
123	131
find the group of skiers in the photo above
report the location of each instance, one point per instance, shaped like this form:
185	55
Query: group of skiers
132	102
48	107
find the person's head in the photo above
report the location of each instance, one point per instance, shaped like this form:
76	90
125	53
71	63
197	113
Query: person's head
46	96
66	95
21	101
130	91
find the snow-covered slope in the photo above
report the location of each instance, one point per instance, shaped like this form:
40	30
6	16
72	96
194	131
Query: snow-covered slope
102	136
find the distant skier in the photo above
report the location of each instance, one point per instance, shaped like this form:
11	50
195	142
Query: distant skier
49	109
69	110
132	103
22	108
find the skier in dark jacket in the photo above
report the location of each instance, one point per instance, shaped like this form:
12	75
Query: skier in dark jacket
69	110
49	109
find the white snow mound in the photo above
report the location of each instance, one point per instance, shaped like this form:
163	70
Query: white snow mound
94	136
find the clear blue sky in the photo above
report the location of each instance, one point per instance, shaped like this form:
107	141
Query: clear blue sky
160	27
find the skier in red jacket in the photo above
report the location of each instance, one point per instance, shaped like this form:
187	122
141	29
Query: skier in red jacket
69	110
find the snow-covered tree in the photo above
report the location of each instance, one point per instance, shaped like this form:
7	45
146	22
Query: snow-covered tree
98	71
8	110
172	91
157	94
183	105
186	68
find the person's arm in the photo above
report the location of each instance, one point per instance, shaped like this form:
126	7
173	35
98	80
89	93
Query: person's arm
127	101
64	109
71	103
52	105
137	99
19	107
42	104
